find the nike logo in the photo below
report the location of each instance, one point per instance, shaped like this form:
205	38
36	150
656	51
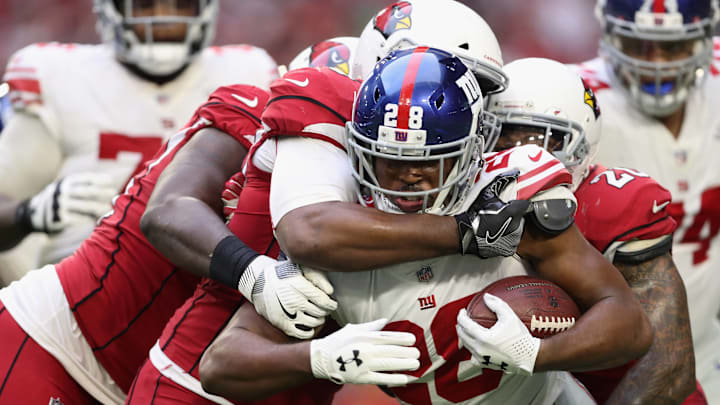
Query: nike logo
536	157
656	208
491	239
289	315
298	83
250	103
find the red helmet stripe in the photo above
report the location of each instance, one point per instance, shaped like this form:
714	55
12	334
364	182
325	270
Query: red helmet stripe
408	86
659	6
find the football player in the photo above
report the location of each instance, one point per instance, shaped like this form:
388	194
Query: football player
657	82
87	323
427	159
88	116
559	113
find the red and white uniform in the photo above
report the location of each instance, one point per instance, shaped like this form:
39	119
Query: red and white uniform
616	216
102	118
688	167
420	297
175	357
99	311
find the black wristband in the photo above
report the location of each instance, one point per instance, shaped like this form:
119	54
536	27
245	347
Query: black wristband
22	216
229	260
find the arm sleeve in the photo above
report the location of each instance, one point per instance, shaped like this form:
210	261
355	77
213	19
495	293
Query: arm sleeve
30	156
309	171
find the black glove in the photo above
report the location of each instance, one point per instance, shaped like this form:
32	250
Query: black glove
492	227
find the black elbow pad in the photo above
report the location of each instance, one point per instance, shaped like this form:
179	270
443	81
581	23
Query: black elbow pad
553	216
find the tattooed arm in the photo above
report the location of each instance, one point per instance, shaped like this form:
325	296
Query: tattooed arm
666	374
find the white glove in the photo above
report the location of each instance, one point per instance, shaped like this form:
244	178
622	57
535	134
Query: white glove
507	346
70	200
364	354
293	302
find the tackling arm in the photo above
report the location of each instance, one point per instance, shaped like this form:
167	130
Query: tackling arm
666	374
250	359
613	328
182	219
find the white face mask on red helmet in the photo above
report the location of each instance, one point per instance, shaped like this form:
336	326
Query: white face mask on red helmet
554	102
118	20
443	24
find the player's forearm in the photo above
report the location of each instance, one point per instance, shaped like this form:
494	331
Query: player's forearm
348	237
243	366
611	333
185	230
666	374
11	233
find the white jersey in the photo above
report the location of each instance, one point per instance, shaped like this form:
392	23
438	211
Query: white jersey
687	166
103	118
424	297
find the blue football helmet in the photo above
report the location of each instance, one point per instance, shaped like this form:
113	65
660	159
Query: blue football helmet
657	49
419	104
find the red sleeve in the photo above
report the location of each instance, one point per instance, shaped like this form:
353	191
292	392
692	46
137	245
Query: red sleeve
235	110
311	102
539	169
617	205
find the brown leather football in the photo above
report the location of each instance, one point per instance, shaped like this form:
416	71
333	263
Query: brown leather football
544	307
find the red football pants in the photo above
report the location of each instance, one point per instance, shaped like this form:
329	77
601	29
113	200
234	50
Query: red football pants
29	374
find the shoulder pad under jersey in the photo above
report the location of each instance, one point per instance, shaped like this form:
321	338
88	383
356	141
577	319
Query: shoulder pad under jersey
235	110
539	169
617	206
30	72
311	102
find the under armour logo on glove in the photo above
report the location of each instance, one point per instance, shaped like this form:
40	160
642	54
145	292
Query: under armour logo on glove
489	364
384	355
492	227
355	359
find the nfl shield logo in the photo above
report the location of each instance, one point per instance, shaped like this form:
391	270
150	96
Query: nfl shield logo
425	273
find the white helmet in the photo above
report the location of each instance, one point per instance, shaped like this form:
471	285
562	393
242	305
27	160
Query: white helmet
443	24
117	21
554	108
634	28
335	53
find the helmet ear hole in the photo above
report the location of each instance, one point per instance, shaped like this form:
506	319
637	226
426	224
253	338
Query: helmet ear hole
376	94
464	46
439	101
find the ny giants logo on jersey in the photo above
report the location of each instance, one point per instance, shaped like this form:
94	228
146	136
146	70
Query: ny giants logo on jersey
427	302
393	18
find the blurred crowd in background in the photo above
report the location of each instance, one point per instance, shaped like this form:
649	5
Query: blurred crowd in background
565	30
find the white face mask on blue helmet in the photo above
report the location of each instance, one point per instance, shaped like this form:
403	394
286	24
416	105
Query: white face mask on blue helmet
635	30
418	105
118	20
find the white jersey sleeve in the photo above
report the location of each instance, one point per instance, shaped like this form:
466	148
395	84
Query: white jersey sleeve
309	171
246	64
29	73
23	174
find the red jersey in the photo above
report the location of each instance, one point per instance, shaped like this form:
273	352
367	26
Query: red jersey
120	289
616	206
197	322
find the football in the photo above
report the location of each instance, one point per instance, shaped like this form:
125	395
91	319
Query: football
544	307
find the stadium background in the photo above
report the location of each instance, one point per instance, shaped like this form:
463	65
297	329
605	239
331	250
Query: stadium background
565	30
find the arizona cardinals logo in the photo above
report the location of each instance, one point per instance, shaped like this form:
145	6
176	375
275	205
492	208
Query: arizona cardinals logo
334	55
393	18
590	99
